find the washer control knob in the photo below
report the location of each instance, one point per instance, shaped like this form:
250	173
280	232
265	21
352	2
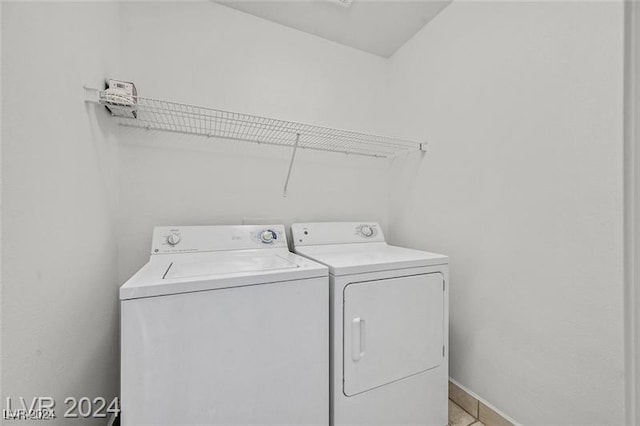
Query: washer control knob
173	239
267	236
366	231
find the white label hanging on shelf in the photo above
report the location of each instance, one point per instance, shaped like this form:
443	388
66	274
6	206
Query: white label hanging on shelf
121	98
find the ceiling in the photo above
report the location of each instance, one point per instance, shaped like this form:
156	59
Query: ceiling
378	27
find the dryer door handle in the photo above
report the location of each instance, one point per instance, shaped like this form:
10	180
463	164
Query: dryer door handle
358	338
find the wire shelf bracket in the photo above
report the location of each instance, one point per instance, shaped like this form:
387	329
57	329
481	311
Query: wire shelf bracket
154	114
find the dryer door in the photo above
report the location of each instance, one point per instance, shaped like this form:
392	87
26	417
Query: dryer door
393	329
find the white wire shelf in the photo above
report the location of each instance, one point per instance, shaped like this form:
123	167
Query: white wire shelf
154	114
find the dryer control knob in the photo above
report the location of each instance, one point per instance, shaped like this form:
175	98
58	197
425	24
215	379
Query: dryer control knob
366	231
267	236
173	239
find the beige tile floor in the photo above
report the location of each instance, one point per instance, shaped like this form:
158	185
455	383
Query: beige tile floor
459	417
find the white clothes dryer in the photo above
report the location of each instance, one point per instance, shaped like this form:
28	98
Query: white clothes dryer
389	325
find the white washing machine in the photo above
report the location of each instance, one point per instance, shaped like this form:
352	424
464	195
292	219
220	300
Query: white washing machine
224	326
389	325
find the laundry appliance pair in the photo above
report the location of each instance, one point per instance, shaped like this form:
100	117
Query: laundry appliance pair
225	326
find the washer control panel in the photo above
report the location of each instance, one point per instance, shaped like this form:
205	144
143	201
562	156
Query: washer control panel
336	233
192	239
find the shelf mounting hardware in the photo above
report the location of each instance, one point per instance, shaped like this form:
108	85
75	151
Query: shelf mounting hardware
293	157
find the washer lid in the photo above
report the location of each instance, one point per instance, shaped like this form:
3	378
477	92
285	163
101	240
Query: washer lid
227	264
347	259
184	273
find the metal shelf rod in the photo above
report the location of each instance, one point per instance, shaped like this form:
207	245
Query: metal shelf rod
192	133
293	157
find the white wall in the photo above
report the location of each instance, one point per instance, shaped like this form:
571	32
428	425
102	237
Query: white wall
59	283
211	55
632	210
522	187
1	97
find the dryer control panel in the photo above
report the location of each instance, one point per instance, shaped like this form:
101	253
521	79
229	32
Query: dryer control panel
310	234
193	239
